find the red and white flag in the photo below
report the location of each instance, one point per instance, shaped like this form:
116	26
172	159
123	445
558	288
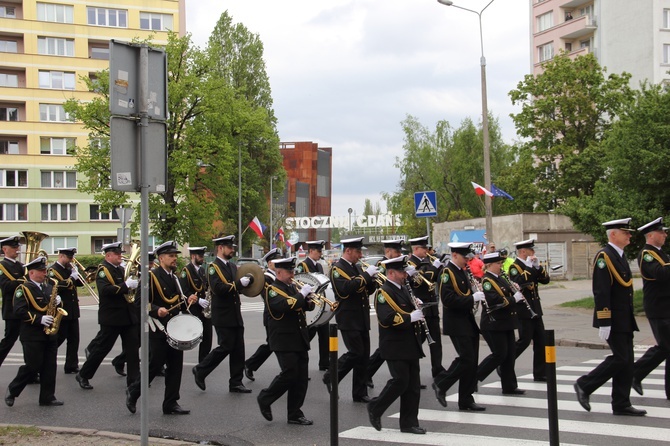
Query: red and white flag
257	227
479	190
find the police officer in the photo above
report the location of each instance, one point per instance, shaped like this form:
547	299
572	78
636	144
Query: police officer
11	275
194	281
614	318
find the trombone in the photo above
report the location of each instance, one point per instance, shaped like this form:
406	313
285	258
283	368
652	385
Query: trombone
380	278
90	277
320	298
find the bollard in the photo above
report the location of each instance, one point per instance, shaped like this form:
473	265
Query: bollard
552	398
332	370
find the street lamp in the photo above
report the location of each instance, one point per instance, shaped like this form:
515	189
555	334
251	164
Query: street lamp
271	200
485	121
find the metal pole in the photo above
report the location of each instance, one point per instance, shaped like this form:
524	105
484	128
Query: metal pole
552	398
271	199
239	199
144	236
428	230
334	380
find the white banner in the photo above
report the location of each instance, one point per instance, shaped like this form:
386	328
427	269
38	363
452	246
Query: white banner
328	222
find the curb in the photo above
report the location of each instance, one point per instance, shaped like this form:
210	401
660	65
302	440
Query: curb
135	439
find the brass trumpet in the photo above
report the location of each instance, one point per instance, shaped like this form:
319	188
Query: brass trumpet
319	299
90	277
419	278
381	277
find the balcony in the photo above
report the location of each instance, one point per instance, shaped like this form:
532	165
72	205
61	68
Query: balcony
576	28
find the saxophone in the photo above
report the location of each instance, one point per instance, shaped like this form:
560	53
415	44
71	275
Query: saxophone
132	270
54	310
207	312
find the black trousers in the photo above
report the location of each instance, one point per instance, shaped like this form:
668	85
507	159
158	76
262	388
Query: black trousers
261	354
503	349
462	369
404	383
231	342
130	340
324	344
436	347
160	353
12	331
206	344
356	359
656	354
374	363
292	379
69	331
618	367
533	330
39	357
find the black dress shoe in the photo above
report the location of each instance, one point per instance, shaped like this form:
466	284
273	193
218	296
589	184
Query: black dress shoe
9	398
422	386
362	399
55	402
637	386
375	421
301	421
440	395
71	371
35	380
266	411
249	373
176	410
198	381
130	402
541	379
370	384
239	389
631	411
326	381
582	397
515	392
413	430
118	368
83	382
474	407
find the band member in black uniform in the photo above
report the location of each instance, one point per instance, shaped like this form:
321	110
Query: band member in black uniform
194	281
424	286
527	272
166	301
11	275
655	270
311	265
116	316
352	286
263	351
498	326
400	345
459	299
226	317
289	340
32	299
614	318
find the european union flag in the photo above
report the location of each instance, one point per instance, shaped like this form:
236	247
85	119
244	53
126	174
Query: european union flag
500	193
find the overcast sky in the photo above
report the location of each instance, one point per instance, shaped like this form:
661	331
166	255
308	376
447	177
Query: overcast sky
345	73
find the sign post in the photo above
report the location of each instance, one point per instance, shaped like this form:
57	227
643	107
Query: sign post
425	205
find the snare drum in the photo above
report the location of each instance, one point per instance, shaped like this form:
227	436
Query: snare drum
184	332
322	313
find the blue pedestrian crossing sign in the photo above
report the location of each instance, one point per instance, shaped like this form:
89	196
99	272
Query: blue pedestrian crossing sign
425	204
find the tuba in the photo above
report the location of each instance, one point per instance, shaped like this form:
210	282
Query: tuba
55	311
132	270
33	242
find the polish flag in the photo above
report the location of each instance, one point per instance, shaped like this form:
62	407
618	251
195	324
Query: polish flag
479	190
257	227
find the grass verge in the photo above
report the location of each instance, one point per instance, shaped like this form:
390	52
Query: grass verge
588	303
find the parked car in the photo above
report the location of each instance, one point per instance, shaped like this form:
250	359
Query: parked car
243	260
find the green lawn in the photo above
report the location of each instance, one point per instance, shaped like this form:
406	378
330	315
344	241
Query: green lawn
587	303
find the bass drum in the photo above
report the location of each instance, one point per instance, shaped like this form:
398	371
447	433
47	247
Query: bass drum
322	313
184	332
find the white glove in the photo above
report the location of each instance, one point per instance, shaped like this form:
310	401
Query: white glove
47	320
411	271
204	303
306	290
372	270
58	300
419	302
416	315
123	264
604	333
131	283
437	264
478	296
536	262
74	275
244	280
518	297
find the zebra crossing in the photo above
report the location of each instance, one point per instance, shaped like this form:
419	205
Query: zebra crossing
522	420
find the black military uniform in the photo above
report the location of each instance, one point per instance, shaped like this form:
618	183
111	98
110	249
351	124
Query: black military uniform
289	340
117	317
376	360
498	328
164	293
194	281
352	286
11	275
428	294
655	270
456	295
69	326
31	303
613	295
400	345
531	327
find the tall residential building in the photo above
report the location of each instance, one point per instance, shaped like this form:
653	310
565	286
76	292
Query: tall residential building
46	47
624	35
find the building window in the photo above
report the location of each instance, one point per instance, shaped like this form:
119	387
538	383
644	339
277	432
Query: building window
52	244
57	80
50	12
99	52
13	178
585	43
59	212
9	114
9	80
116	18
99	241
53	113
666	53
96	215
13	212
545	21
546	52
8	12
55	146
666	18
9	147
55	179
53	46
8	46
156	22
587	10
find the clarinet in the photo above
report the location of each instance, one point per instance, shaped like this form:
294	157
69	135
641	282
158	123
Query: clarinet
516	288
476	286
429	338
